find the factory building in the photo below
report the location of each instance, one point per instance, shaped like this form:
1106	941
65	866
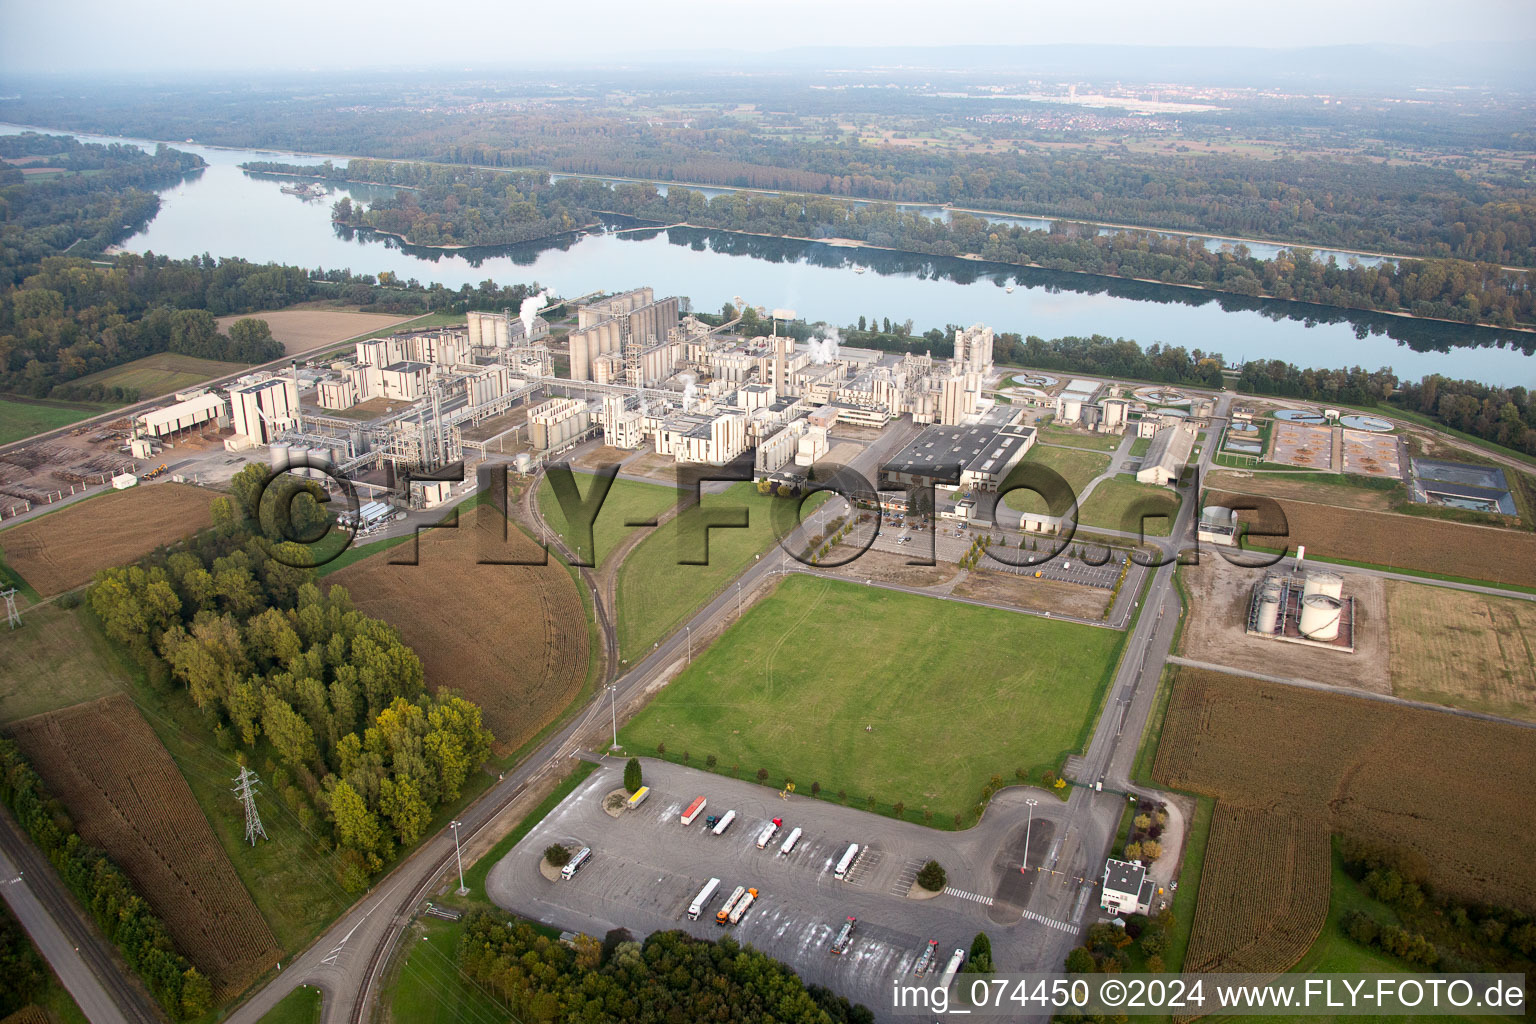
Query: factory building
711	439
336	394
1167	456
191	412
980	456
558	421
502	330
404	381
973	349
623	422
778	450
263	410
628	338
487	383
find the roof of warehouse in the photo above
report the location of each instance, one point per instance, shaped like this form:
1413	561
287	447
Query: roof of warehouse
974	447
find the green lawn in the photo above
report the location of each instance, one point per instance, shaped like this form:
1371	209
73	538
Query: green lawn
628	501
1079	439
301	1006
1139	446
23	417
1076	467
162	373
1113	499
427	986
54	661
953	694
658	592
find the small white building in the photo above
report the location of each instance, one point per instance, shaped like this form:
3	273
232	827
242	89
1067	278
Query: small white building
1167	456
1218	525
1127	888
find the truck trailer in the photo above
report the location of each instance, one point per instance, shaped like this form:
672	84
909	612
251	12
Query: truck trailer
702	899
789	843
769	831
693	810
724	823
952	969
740	910
844	937
730	905
845	864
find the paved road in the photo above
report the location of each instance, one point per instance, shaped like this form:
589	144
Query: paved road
76	952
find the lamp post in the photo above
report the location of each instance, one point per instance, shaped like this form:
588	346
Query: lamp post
690	643
463	889
613	707
1027	826
738	599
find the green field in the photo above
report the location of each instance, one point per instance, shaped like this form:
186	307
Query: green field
162	373
1083	439
657	593
951	694
427	986
54	661
628	501
1139	446
1076	467
301	1006
1111	501
23	417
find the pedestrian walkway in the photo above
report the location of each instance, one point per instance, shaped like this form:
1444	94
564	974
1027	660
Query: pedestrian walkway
985	901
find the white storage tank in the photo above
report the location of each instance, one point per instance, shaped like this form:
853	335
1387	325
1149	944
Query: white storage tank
1329	584
522	462
1320	617
1269	613
278	455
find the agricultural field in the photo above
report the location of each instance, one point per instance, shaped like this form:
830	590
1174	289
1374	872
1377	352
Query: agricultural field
22	417
886	711
63	550
1327	488
511	638
1119	496
627	502
1076	467
1291	766
658	591
1214	631
162	374
52	662
304	330
1463	649
1399	542
125	794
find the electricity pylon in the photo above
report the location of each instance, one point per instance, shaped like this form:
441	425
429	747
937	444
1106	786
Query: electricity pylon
245	792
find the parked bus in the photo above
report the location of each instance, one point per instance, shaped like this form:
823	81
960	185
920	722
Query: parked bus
844	937
702	899
576	863
789	843
693	810
638	797
724	823
952	969
769	831
846	864
730	905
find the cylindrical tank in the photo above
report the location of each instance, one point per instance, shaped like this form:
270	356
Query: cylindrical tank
1269	613
1329	584
1320	617
472	322
278	455
522	462
1072	410
581	355
501	331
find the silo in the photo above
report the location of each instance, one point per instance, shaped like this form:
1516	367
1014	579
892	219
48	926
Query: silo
472	320
1269	612
581	355
522	462
1329	584
1320	617
1072	410
320	461
278	455
610	330
500	323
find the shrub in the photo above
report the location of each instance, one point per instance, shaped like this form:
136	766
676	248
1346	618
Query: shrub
632	779
932	876
557	855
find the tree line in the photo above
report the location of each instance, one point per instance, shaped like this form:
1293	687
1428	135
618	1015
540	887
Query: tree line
336	701
671	976
102	888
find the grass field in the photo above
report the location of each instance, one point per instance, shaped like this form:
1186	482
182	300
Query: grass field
1076	467
1079	439
1119	496
657	593
427	987
105	764
627	502
23	417
1463	649
64	549
301	1006
304	330
162	374
510	637
1329	488
952	694
53	661
1140	446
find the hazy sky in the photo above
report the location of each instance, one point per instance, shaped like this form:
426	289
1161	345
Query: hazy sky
167	35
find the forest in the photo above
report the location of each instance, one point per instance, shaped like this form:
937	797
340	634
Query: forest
669	977
335	701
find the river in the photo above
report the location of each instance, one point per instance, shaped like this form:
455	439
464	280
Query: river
226	212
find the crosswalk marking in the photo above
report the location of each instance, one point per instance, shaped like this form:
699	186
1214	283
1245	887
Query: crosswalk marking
1060	926
985	901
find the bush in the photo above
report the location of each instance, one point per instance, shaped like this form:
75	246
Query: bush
632	780
557	855
932	876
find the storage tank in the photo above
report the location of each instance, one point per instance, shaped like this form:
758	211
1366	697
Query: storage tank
320	460
1329	584
472	321
1320	617
522	462
500	323
581	355
611	336
1269	613
1072	410
278	455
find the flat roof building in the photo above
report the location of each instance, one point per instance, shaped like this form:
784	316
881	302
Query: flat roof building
977	455
1127	888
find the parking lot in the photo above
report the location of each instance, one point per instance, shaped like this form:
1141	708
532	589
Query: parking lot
950	544
646	868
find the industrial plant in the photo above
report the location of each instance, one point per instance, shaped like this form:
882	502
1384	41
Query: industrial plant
1303	607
